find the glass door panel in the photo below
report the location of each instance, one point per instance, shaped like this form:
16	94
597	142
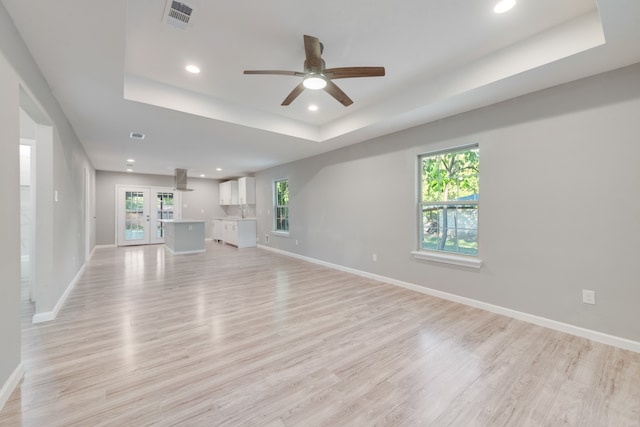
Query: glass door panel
133	216
165	202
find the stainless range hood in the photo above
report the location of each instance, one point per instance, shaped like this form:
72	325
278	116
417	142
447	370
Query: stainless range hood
181	180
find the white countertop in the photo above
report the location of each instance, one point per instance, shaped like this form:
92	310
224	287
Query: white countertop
234	218
182	221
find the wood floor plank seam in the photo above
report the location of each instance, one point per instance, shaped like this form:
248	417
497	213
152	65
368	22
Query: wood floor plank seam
252	338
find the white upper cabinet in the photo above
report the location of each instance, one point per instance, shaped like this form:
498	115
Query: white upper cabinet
228	193
247	190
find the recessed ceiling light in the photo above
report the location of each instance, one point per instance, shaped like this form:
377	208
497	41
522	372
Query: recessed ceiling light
201	175
504	6
130	161
192	69
129	170
218	169
313	108
136	135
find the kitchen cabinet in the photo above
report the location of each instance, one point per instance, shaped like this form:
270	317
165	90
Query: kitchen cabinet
240	233
217	230
228	192
247	190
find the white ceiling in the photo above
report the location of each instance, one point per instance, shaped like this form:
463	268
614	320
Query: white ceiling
116	67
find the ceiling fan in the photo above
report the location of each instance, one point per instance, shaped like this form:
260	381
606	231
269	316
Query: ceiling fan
316	76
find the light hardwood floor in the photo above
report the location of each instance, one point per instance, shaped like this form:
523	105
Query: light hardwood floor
248	337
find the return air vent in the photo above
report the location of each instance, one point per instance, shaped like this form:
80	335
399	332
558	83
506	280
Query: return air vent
136	135
178	14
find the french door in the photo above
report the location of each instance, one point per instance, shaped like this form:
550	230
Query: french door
139	211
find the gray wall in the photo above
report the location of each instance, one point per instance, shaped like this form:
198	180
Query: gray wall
21	82
9	217
558	208
200	204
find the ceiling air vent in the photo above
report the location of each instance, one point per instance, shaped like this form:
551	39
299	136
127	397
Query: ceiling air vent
178	14
136	135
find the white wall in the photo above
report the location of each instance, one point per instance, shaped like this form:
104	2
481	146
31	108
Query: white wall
558	213
199	204
25	199
22	85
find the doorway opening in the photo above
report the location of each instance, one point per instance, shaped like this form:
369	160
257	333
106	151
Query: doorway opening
140	212
26	219
36	210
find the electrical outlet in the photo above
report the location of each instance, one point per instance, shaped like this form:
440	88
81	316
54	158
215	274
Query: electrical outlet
266	238
296	242
374	258
588	297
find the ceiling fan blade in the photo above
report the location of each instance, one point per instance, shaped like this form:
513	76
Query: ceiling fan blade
313	53
346	72
332	89
279	72
293	95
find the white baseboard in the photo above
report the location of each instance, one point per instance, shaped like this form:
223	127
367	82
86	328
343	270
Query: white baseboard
195	251
600	337
51	315
103	247
11	384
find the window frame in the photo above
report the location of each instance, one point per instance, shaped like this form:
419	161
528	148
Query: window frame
466	260
276	207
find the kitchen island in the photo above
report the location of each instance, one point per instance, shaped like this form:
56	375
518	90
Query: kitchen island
183	236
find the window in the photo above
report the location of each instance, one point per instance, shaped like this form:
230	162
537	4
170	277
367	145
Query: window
281	209
448	202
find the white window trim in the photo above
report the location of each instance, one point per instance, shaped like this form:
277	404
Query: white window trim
439	256
447	258
275	231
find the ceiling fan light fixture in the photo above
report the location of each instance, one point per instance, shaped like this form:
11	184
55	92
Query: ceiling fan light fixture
314	82
504	6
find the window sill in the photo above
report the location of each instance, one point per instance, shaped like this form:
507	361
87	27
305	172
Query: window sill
280	233
464	261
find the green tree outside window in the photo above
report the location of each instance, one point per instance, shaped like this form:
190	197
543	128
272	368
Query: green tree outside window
450	191
281	192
